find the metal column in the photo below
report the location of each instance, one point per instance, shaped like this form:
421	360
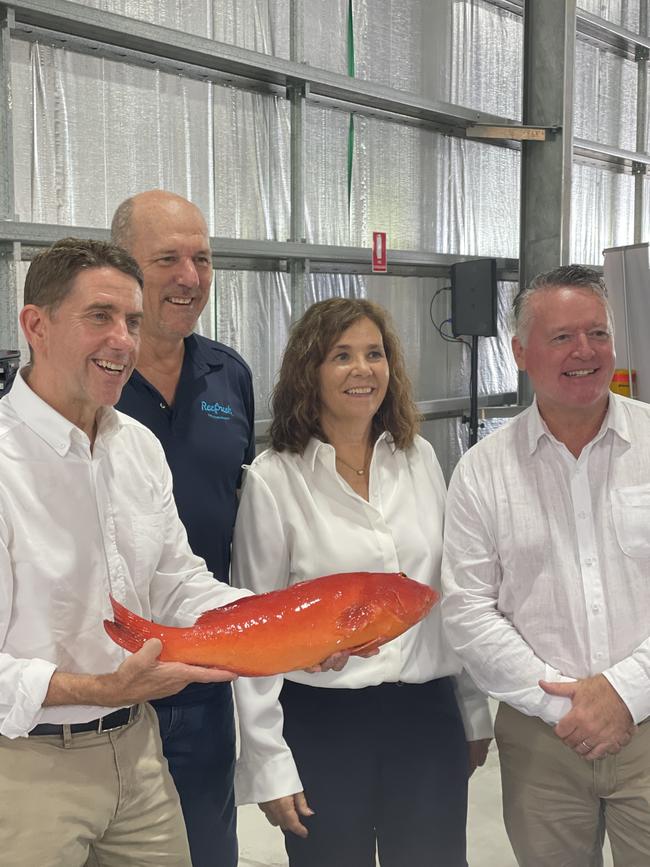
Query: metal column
9	252
549	59
297	93
640	169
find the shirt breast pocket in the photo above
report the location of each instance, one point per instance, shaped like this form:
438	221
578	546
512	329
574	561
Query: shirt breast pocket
147	543
631	516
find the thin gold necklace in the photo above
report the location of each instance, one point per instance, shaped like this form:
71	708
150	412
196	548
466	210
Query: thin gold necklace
359	472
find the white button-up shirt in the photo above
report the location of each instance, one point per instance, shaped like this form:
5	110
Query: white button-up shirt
546	572
297	520
76	526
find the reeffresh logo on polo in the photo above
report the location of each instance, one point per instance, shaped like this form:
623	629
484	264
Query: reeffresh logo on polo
217	410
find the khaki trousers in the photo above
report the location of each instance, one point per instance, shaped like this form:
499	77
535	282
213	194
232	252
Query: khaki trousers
557	806
106	799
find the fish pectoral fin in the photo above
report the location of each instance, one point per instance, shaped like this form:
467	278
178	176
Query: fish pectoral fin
354	618
392	602
369	645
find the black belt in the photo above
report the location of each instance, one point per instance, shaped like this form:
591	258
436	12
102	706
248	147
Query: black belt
115	720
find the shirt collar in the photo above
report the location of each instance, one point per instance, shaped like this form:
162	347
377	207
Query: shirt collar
314	446
201	354
536	427
50	425
615	420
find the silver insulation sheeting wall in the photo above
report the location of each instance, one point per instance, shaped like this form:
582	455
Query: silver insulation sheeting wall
89	131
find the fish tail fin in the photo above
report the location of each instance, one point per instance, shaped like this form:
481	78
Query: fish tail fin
129	630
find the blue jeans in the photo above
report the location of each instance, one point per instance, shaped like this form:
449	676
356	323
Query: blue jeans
199	745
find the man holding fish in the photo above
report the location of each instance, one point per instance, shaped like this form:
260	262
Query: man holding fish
87	513
547	591
86	510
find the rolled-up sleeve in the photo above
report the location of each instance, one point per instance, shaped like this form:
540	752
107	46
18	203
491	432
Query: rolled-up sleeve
23	682
23	687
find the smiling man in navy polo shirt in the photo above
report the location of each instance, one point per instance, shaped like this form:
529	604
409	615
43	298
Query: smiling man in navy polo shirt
196	395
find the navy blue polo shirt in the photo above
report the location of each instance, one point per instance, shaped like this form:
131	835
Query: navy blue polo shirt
207	434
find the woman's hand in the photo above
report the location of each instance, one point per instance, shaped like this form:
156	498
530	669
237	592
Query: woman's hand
337	661
285	813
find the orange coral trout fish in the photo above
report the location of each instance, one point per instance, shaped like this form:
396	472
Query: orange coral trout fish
288	629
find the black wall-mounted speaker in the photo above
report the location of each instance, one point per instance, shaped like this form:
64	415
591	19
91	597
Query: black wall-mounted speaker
474	298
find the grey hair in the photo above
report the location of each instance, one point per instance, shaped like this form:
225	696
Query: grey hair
121	227
566	276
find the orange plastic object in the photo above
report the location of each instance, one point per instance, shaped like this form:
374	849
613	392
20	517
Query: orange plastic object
620	383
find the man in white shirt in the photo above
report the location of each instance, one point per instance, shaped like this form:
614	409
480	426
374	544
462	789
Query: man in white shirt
87	510
546	576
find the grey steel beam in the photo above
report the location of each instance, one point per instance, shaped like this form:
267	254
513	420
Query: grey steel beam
514	6
44	234
549	60
9	252
208	56
9	256
454	407
642	56
609	34
594	29
615	157
299	271
491	406
585	150
275	254
297	93
7	199
103	33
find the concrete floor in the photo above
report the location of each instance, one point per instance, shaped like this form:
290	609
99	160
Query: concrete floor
262	846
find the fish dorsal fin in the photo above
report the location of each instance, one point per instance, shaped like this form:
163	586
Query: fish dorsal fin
355	617
215	615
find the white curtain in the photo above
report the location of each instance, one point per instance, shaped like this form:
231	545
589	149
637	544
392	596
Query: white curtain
90	131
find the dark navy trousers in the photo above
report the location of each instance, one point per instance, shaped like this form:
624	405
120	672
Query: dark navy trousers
386	767
199	744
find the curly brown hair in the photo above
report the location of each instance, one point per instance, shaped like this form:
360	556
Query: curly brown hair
295	400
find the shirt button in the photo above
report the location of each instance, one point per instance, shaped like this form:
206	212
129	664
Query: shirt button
163	406
595	608
582	515
589	561
599	655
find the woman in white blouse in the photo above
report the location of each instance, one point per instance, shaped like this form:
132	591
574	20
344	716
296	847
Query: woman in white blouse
374	754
